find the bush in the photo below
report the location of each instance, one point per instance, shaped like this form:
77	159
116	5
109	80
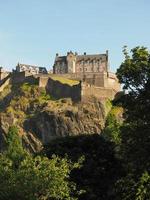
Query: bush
26	177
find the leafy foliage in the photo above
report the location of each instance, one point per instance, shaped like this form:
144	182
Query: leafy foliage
112	126
34	178
137	188
15	151
134	73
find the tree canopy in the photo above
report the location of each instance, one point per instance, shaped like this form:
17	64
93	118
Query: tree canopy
134	74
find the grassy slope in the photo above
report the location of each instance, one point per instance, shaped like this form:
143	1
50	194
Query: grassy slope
65	80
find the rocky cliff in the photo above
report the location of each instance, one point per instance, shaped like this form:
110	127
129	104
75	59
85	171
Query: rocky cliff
40	118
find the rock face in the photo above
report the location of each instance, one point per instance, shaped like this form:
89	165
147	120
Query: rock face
40	118
71	120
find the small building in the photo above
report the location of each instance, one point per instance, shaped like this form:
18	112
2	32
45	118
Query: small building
31	69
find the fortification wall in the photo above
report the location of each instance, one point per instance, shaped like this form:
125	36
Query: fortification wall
101	85
104	79
82	92
98	92
59	90
20	77
91	78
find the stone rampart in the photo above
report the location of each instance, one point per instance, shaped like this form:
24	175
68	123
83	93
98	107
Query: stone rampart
82	91
98	92
59	90
107	87
103	79
20	77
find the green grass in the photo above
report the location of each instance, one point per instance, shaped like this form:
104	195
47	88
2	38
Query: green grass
65	80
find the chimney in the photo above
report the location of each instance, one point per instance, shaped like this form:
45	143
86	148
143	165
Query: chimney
107	64
57	54
107	52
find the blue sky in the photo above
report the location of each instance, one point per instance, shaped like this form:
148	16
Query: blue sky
33	31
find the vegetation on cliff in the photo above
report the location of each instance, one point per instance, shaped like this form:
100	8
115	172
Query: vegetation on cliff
41	118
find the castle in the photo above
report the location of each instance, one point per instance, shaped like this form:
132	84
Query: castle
91	72
82	64
91	69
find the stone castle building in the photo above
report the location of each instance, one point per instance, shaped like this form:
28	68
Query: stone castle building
74	63
91	69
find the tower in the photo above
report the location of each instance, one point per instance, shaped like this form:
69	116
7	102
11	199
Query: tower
71	62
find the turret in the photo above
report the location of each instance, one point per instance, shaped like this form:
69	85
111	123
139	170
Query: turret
71	61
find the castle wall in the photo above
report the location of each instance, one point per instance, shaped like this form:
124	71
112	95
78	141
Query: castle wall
98	92
78	92
97	79
59	90
20	77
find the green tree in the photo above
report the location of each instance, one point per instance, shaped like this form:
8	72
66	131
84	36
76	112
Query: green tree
112	129
15	151
37	179
134	74
26	177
